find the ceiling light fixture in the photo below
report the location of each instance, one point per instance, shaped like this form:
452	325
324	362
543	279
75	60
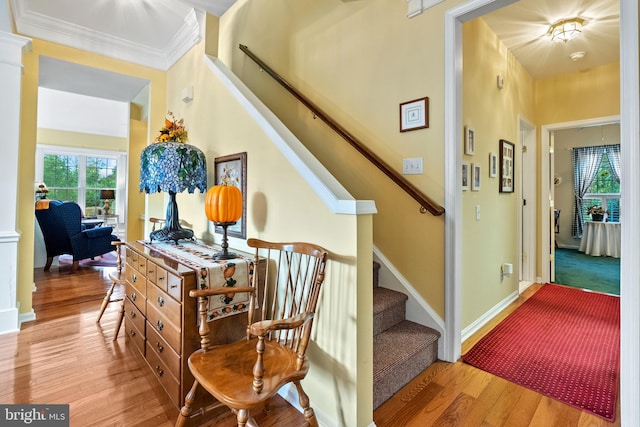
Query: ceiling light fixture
566	30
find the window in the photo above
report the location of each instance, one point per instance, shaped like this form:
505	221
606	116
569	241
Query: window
604	191
596	183
78	175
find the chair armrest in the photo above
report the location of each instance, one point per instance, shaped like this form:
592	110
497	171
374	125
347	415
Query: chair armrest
263	327
98	232
220	290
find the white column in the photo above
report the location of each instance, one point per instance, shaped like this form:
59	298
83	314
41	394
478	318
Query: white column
11	49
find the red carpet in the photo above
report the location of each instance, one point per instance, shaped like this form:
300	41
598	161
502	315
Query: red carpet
561	342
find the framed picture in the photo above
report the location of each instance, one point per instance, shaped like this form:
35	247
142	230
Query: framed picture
232	170
414	114
493	165
475	176
507	166
469	141
466	176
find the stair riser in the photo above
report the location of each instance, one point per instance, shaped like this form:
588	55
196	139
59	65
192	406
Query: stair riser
389	317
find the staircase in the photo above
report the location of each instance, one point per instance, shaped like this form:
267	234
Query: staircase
401	348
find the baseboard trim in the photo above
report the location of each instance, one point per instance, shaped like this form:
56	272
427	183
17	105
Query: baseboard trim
486	317
27	317
289	393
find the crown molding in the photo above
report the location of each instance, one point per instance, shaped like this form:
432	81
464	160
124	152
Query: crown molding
79	37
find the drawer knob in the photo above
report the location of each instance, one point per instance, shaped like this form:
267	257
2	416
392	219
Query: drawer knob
134	277
160	278
159	370
160	301
132	333
160	324
133	296
173	286
160	347
132	314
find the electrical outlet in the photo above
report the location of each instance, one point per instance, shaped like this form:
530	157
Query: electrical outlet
412	166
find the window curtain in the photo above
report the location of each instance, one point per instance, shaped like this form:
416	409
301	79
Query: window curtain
613	153
586	161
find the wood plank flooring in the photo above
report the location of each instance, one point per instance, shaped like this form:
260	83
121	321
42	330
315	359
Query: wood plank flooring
65	357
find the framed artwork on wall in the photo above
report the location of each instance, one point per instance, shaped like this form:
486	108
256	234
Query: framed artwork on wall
414	114
466	176
469	141
507	166
493	165
475	176
232	170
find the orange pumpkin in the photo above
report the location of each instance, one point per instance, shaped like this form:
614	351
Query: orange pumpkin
223	203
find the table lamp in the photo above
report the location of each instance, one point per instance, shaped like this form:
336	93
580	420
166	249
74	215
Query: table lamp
172	166
107	196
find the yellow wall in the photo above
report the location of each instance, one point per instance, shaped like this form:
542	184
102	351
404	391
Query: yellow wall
358	61
81	140
282	207
28	137
493	114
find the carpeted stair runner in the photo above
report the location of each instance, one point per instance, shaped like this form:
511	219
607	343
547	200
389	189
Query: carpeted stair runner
401	348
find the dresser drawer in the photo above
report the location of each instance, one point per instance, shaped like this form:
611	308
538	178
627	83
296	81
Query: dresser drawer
152	270
164	327
163	350
136	297
133	315
169	307
135	335
160	370
136	279
161	278
137	261
174	286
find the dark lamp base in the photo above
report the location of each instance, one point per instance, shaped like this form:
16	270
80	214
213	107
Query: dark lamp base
225	254
167	235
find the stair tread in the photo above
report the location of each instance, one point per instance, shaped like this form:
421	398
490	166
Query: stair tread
399	343
384	298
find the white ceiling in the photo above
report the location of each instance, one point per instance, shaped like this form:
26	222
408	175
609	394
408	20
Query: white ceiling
523	28
156	33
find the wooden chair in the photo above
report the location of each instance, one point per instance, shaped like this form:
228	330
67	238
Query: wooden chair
115	281
245	374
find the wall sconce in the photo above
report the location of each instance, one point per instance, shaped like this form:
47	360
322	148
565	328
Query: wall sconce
187	94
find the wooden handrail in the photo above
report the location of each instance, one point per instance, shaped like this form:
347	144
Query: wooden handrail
426	204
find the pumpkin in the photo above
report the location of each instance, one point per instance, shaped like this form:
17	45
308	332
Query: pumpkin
223	203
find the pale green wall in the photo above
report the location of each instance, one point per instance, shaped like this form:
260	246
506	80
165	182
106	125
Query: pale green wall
493	114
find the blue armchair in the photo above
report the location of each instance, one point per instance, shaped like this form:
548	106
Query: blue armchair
61	226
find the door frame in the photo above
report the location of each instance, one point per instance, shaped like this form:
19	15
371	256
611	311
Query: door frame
546	180
528	191
630	162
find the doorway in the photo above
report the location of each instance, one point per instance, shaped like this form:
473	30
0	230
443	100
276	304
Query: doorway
527	213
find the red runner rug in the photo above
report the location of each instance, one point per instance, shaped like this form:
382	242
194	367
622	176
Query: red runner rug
562	342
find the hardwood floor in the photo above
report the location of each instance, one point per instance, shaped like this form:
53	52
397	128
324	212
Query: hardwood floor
65	357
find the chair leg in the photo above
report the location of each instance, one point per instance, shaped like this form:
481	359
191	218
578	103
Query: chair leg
185	412
47	266
242	417
119	322
75	266
309	415
106	301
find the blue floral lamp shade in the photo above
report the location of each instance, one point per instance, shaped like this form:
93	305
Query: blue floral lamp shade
172	167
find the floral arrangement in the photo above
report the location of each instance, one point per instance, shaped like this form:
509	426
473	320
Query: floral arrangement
598	210
173	130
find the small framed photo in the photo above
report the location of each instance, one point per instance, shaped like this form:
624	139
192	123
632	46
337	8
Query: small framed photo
475	176
493	165
232	170
469	141
414	114
466	176
507	166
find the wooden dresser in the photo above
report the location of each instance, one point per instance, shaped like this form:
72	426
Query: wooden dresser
160	317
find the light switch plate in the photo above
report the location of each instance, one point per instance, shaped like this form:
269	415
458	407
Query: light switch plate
412	166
